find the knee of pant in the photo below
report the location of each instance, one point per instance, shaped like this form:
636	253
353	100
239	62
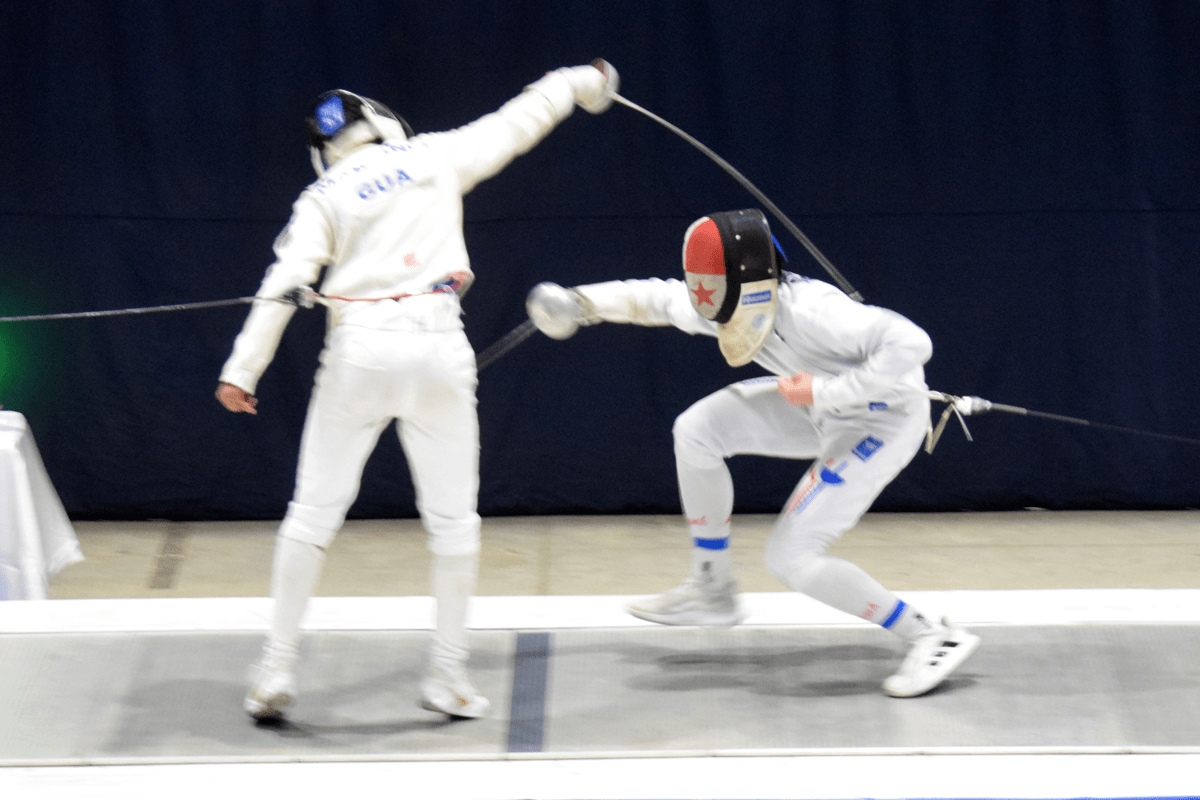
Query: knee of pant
795	571
791	559
453	537
306	524
694	443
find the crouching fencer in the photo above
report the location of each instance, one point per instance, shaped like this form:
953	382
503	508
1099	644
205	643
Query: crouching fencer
849	394
385	222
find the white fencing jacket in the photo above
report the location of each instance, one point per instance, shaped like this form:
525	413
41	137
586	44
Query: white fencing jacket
858	354
388	220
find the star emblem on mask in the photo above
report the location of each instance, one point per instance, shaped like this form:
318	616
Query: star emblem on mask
703	295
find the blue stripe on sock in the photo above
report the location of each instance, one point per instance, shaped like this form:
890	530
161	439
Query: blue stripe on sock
899	609
712	544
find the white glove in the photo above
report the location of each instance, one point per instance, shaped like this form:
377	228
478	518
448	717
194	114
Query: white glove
557	312
593	85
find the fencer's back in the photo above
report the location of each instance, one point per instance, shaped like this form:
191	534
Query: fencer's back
395	210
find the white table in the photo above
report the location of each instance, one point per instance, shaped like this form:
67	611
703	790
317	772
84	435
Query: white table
36	537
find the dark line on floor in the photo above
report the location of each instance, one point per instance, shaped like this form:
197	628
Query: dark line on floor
170	557
527	717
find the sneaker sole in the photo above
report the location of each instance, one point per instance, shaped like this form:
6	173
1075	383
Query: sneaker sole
268	710
961	653
705	619
464	712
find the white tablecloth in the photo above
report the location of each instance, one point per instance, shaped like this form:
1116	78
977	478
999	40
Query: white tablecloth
36	537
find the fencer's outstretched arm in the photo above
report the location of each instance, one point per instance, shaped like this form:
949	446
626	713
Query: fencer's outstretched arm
484	147
830	351
558	312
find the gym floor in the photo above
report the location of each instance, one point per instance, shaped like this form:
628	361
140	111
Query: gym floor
127	683
618	555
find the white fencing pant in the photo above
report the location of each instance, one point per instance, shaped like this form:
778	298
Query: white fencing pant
425	381
854	458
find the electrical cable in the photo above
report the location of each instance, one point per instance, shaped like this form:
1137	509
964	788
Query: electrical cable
968	406
754	190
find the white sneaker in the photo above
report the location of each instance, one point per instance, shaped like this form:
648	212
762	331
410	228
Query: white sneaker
273	689
693	603
451	692
931	659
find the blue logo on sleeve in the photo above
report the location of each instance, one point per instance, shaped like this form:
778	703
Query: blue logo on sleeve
867	448
829	476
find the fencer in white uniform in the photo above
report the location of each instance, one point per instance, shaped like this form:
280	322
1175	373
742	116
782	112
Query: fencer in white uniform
848	392
384	222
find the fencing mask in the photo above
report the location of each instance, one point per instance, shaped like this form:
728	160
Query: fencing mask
733	279
342	121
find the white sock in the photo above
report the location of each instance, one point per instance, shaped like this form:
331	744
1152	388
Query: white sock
706	494
711	561
907	622
847	587
294	575
453	583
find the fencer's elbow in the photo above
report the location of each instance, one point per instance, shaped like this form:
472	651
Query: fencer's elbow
924	348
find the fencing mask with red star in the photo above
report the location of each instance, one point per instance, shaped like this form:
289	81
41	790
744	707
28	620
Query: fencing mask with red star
733	279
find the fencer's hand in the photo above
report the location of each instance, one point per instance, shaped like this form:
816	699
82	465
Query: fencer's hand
557	312
236	399
797	389
593	85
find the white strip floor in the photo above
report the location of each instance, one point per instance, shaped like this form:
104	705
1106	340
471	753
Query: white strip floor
942	774
967	607
741	778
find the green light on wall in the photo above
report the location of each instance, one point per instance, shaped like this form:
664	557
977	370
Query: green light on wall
23	343
14	362
9	358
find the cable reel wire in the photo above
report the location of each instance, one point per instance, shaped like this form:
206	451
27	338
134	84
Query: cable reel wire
145	310
301	297
754	190
966	406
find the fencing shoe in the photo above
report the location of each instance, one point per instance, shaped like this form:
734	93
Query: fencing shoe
272	687
696	602
450	691
931	659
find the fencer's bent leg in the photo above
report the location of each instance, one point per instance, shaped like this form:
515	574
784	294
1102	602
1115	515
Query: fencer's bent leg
859	458
706	495
721	425
709	594
711	430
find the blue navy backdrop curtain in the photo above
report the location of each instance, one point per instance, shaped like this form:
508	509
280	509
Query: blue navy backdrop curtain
1021	178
